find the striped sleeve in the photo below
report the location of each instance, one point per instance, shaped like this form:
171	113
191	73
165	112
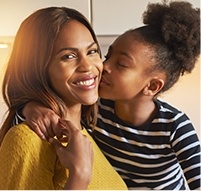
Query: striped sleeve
18	119
186	145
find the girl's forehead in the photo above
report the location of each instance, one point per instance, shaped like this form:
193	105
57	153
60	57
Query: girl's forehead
131	44
126	41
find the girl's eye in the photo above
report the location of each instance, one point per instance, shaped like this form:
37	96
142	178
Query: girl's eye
122	65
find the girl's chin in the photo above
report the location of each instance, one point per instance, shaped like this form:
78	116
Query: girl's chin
103	94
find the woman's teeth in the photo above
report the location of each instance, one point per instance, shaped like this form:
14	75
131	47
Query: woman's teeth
86	82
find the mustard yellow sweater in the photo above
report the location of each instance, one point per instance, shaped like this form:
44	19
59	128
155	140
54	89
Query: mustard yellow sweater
27	162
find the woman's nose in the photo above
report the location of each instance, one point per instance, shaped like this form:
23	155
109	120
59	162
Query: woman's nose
85	65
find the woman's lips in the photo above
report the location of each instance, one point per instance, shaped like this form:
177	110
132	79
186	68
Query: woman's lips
86	82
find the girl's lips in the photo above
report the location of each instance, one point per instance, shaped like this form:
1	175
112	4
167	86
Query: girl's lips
104	82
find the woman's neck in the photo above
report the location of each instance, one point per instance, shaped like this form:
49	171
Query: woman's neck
73	114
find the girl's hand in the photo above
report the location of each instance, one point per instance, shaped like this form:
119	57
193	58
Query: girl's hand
43	121
76	155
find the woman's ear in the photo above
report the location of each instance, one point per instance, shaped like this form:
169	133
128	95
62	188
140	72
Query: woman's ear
153	87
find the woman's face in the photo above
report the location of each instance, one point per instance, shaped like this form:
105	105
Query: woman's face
75	68
124	76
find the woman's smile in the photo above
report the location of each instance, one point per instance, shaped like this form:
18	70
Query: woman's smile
87	82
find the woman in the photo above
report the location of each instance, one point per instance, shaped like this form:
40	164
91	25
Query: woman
55	61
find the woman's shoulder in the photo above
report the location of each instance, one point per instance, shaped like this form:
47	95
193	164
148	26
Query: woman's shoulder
24	140
32	161
23	144
21	133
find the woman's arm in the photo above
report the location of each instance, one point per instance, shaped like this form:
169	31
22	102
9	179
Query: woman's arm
77	156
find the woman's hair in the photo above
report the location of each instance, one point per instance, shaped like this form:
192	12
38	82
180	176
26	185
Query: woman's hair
26	77
172	31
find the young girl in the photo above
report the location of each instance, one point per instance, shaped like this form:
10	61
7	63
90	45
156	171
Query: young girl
149	142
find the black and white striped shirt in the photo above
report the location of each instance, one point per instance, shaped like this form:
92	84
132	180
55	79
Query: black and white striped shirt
154	156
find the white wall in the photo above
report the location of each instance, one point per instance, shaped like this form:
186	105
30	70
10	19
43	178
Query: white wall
113	17
185	95
13	12
4	54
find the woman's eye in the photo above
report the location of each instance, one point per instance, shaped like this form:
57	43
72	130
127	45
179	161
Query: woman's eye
94	51
67	57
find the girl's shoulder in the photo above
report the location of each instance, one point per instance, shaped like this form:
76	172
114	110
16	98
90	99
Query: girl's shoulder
165	106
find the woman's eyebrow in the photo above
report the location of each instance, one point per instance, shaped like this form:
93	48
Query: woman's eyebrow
67	48
74	49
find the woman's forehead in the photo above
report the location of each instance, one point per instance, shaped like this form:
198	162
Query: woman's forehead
73	33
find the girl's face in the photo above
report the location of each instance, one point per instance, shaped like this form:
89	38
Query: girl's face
124	76
75	68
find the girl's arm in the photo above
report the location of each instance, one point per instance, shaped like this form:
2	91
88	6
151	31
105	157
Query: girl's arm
186	145
42	120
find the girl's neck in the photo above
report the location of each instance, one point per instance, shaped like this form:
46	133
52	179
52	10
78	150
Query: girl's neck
135	113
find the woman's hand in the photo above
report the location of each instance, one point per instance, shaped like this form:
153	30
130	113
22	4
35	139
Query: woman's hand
43	121
77	156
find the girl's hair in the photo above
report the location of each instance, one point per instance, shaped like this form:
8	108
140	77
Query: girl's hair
172	31
26	76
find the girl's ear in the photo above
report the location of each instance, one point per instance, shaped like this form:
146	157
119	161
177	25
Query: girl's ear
153	87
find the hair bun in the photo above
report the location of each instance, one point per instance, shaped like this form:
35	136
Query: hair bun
179	25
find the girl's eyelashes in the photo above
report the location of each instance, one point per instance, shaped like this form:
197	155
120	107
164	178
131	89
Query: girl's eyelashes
122	65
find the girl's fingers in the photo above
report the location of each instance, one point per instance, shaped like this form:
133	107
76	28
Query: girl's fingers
50	130
39	131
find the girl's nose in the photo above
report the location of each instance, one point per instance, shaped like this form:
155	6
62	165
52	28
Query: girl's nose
106	67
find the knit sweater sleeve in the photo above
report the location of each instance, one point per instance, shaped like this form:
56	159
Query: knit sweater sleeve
186	145
26	162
